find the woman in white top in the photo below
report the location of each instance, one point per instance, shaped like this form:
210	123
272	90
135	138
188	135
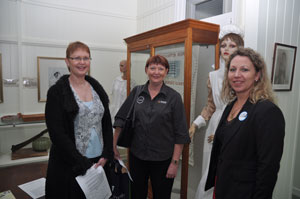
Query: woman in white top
230	40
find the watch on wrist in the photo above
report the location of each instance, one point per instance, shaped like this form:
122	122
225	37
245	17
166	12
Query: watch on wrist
175	162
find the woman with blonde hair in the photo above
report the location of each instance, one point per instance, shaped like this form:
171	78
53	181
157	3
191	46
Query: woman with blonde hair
231	38
244	160
262	88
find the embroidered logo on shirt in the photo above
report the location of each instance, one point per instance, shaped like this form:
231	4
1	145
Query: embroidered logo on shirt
140	99
162	102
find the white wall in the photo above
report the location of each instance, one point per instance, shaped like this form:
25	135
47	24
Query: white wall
31	28
156	13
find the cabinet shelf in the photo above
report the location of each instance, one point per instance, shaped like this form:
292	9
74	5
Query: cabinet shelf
5	157
5	160
20	122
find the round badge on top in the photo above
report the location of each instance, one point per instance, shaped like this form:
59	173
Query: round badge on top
243	116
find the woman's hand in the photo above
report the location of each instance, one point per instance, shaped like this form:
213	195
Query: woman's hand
101	162
116	136
192	130
172	170
210	138
117	153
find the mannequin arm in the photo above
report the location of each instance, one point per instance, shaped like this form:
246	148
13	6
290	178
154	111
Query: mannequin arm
192	130
210	106
198	122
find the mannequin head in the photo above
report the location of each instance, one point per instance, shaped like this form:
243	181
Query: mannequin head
231	38
123	66
230	43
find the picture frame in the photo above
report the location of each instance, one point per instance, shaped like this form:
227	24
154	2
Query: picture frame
49	70
284	60
1	80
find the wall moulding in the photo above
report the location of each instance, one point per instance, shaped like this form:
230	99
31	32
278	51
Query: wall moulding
8	40
77	9
64	44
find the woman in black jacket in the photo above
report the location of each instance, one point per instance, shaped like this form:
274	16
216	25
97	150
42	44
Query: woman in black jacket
79	124
248	143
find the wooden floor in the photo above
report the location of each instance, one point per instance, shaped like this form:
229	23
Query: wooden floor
11	177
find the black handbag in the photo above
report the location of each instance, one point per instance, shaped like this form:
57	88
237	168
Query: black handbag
127	131
120	182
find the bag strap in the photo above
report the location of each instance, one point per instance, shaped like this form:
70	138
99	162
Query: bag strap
138	90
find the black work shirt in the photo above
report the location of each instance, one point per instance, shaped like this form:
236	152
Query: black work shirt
159	123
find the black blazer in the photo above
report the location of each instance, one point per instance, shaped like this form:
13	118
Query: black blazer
246	165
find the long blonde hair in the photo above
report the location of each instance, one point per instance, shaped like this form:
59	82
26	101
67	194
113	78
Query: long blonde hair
262	89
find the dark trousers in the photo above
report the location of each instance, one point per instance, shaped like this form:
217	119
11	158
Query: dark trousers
142	170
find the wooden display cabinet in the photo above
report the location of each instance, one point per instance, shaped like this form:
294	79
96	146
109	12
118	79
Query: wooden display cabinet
178	42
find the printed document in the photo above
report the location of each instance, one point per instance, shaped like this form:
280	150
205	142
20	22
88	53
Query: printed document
123	165
94	184
7	195
35	189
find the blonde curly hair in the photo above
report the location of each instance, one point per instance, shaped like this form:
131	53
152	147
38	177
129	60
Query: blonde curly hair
262	89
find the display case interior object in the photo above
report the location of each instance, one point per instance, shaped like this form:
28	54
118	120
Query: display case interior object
191	47
33	117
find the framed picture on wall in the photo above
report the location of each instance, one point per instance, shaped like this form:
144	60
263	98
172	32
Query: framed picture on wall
283	67
50	69
1	80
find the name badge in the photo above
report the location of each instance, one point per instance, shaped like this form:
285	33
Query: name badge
243	116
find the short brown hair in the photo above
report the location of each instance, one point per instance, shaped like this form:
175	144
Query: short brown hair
73	46
158	59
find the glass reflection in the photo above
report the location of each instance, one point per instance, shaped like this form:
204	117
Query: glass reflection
175	56
137	70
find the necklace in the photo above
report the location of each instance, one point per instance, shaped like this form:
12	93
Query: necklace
234	111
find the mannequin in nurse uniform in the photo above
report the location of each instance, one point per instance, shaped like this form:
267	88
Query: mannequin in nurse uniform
231	38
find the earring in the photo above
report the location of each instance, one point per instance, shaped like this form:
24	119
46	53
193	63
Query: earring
232	92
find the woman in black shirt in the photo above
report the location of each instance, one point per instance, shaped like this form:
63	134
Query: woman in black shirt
160	132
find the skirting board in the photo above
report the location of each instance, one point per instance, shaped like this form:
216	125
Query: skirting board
296	191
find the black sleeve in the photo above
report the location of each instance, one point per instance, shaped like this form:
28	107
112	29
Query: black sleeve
124	109
269	138
179	121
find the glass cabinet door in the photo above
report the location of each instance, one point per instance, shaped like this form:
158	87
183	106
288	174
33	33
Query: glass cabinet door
189	46
203	61
175	56
137	77
137	69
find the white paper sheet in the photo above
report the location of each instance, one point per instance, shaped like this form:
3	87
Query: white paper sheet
35	189
123	165
94	184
